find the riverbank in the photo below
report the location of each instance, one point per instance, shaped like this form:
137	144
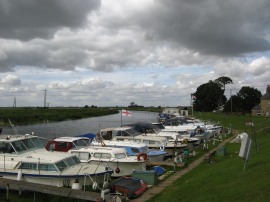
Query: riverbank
25	116
31	115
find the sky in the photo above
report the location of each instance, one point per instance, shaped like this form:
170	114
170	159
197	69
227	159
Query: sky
111	53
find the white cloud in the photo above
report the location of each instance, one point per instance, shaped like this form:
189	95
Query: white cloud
10	80
115	52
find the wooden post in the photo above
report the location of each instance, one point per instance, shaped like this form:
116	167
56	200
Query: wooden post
7	196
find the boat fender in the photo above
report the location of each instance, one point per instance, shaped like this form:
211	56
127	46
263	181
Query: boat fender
76	185
19	176
117	170
144	155
162	147
95	186
185	141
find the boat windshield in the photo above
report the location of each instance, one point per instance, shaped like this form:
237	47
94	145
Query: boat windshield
127	132
21	146
81	143
68	162
145	149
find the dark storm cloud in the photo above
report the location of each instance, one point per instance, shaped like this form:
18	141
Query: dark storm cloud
217	27
27	19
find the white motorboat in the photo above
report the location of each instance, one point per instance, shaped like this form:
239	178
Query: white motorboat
23	157
116	158
166	142
191	125
139	150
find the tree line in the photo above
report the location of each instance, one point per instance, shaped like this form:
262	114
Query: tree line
210	96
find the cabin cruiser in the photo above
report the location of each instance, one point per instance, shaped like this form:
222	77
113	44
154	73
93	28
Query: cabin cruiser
115	158
191	125
163	143
24	158
199	132
128	134
152	130
139	150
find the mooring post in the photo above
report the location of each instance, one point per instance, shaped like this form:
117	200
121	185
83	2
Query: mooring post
7	196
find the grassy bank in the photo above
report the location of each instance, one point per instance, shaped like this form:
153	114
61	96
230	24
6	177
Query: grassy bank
23	116
20	116
226	180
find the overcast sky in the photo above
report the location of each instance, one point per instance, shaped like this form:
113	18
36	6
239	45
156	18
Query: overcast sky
112	53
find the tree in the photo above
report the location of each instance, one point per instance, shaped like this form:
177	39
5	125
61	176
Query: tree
244	101
207	96
234	104
222	81
251	97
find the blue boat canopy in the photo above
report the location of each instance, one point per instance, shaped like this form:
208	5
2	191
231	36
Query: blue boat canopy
88	135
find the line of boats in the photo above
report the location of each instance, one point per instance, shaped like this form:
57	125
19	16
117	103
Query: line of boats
92	159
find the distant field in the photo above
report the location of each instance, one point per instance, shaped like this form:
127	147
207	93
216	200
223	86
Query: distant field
27	115
20	116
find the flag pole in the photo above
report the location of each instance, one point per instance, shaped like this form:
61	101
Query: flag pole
121	116
191	102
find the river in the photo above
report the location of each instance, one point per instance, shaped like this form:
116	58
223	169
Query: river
81	126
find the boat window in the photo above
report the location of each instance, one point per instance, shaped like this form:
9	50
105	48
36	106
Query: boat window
76	160
28	166
47	167
60	145
80	143
2	147
135	150
36	141
19	146
169	138
107	135
5	148
70	161
102	155
144	149
122	133
85	156
120	139
153	142
138	141
146	141
120	155
61	165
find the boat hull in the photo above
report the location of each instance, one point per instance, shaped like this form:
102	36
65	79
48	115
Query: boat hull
58	180
122	168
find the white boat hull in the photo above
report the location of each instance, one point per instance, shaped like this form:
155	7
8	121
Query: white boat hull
125	168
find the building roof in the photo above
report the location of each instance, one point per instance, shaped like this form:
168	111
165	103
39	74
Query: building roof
266	96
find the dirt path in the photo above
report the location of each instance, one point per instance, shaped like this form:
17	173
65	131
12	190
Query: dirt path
167	182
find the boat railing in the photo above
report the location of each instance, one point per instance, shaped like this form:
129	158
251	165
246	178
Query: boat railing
95	185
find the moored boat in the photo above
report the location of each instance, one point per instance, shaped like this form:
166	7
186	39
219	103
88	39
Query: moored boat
23	157
115	158
139	150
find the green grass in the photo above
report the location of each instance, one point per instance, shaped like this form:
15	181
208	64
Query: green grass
20	116
226	180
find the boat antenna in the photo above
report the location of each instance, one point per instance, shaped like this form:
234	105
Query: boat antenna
13	128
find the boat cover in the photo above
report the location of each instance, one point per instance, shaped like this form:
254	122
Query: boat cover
128	186
88	135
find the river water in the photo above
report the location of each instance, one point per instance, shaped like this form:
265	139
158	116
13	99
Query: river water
81	126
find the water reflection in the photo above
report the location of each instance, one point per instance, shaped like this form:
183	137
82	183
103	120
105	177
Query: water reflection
82	126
